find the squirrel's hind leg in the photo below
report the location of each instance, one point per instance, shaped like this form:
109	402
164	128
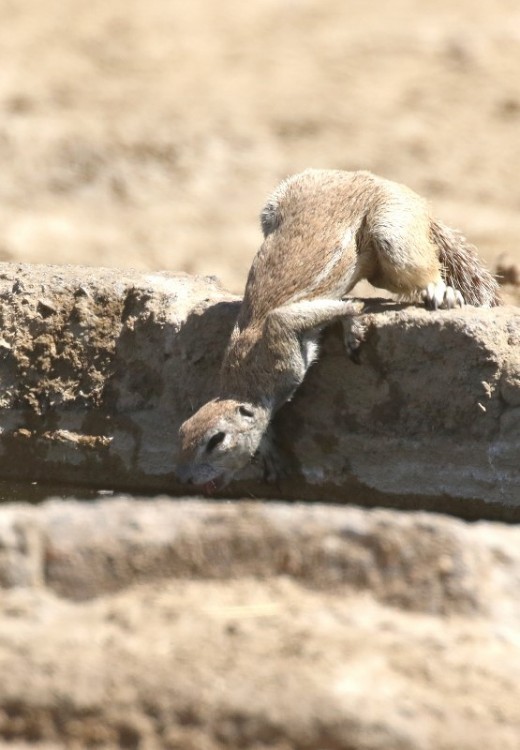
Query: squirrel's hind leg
405	258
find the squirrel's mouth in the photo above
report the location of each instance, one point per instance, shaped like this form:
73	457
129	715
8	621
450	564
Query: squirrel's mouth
214	485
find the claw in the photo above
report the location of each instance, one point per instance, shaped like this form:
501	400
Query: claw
355	332
441	297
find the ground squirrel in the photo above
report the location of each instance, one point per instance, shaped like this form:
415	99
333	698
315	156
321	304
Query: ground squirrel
324	230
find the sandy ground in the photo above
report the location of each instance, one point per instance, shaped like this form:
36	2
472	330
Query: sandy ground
149	134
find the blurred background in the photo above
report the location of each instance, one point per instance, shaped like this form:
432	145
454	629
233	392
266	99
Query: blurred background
148	134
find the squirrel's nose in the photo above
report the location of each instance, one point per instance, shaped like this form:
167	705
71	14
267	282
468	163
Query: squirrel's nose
184	474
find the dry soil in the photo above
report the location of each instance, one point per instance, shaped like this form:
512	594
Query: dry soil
149	134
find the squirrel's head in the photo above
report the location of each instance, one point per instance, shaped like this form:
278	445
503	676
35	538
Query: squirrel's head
219	440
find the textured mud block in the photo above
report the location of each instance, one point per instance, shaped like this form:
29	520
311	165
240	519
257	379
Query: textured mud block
99	368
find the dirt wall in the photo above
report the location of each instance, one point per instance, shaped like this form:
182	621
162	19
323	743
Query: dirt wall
100	367
255	626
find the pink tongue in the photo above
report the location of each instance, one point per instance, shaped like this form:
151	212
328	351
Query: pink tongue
210	487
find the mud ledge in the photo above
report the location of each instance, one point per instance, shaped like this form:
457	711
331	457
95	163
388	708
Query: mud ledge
417	561
99	367
190	625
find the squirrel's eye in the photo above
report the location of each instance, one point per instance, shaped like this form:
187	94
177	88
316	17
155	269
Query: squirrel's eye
215	440
245	412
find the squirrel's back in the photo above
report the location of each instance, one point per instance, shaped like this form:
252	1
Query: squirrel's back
325	230
310	225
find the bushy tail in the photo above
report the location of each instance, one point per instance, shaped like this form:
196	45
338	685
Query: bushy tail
463	269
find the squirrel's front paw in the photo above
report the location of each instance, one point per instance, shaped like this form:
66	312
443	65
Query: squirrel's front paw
271	459
355	332
274	469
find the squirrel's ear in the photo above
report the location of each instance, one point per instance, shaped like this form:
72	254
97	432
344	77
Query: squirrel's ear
269	218
245	411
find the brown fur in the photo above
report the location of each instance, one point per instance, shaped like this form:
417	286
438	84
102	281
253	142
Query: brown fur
324	231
